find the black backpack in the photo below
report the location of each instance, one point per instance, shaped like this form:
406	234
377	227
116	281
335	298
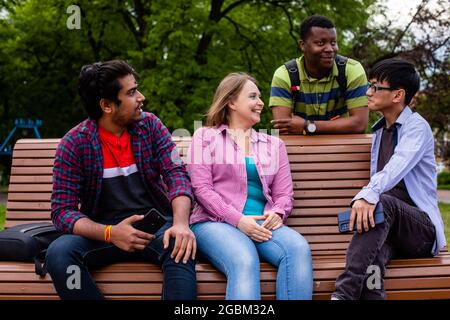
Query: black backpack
28	242
294	76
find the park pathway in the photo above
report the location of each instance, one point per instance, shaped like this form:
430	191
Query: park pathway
444	196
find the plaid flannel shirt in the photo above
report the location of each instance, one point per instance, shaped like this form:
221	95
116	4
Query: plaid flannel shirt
78	169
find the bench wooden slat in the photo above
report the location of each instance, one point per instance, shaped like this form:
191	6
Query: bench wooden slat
41	162
323	230
419	294
36	154
326	140
327	149
342	175
306	203
25	215
329	238
418	271
318	212
338	157
319	221
394	284
37	141
329	184
319	194
34	162
42	196
32	206
33	145
329	166
31	179
13	223
29	188
31	171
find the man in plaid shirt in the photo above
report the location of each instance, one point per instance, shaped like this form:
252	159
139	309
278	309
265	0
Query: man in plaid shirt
107	174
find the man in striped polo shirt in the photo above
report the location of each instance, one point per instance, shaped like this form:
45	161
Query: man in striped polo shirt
320	103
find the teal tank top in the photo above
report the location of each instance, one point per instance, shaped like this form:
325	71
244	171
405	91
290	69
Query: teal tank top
255	197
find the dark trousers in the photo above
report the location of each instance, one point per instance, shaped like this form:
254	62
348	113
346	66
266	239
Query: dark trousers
70	253
407	232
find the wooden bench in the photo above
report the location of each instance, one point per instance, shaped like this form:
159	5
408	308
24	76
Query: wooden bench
327	172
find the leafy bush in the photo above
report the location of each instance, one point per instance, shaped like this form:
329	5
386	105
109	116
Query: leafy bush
444	178
2	216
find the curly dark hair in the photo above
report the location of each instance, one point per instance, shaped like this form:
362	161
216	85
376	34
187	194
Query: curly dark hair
314	21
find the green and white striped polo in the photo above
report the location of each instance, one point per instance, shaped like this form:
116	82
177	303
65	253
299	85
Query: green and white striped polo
320	99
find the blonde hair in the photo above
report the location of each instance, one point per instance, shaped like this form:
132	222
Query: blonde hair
228	90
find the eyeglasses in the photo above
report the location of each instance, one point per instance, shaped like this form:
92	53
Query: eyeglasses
376	88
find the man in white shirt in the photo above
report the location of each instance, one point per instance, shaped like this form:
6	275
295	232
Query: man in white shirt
403	180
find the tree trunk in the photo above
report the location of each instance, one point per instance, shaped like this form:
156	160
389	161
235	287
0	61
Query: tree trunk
214	16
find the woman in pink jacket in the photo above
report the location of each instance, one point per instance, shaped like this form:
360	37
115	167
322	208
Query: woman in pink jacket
243	188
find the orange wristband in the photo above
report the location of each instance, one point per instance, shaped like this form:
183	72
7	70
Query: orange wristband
107	233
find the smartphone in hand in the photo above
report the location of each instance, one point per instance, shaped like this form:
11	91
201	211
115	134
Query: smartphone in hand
344	218
153	220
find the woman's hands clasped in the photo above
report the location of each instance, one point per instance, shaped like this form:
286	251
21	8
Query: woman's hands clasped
263	232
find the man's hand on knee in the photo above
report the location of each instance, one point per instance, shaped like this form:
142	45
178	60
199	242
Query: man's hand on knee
185	244
362	212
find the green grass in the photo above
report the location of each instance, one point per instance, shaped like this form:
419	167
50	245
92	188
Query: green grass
445	212
444	187
2	216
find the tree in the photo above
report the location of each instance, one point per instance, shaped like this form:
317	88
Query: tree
182	49
425	41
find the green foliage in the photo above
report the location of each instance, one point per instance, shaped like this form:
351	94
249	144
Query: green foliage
423	40
2	216
445	213
181	49
443	178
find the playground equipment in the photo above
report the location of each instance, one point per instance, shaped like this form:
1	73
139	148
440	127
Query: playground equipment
6	147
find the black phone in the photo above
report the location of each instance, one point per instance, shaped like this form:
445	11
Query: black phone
344	218
153	220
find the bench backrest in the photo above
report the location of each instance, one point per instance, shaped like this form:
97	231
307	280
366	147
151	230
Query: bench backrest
327	172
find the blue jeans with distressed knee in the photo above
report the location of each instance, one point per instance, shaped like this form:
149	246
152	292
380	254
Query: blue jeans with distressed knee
238	257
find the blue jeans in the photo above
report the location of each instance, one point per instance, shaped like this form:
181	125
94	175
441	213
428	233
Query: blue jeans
237	256
85	255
